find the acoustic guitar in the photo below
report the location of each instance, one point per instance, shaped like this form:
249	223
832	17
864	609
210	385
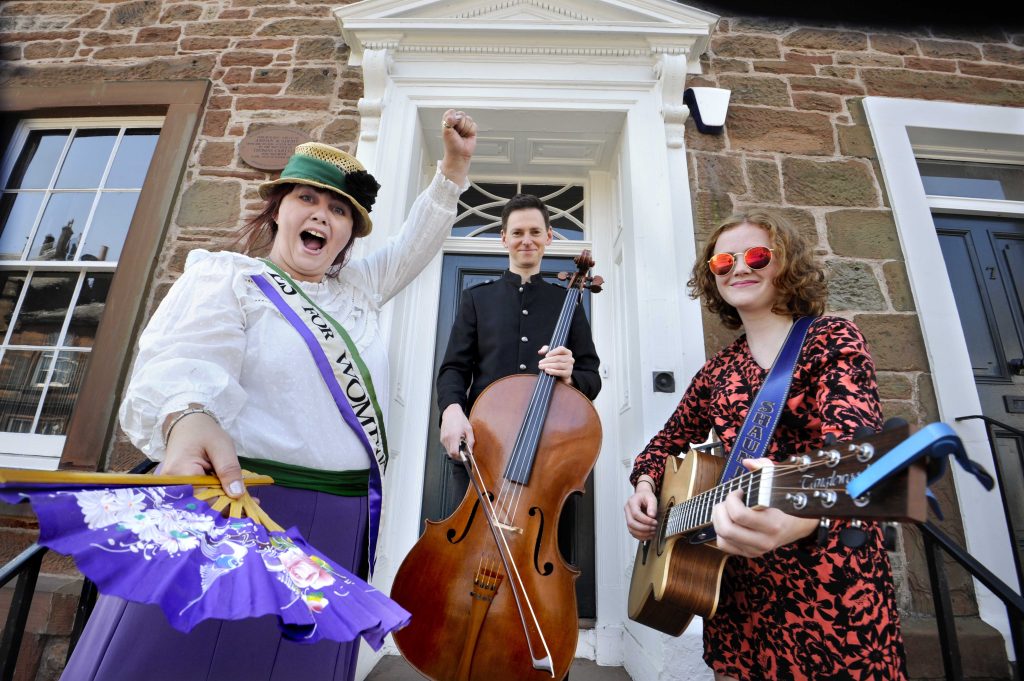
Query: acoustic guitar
676	575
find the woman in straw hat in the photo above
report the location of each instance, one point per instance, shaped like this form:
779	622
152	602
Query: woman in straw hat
231	374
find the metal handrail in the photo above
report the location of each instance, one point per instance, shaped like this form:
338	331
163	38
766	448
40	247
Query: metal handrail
937	544
26	568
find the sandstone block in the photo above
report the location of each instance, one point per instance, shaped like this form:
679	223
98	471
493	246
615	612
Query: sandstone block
852	286
929	64
893	44
133	14
817	101
866	234
898	285
949	49
301	27
158	35
181	13
746	47
207	203
719	174
895	341
764	180
783	66
893	386
312	81
828	183
824	39
942	86
794	132
756	90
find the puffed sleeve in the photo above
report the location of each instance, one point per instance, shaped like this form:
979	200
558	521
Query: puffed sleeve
689	423
190	352
388	270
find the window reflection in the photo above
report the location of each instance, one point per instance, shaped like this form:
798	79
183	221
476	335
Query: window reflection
87	159
109	226
85	318
132	159
17	216
19	395
972	180
38	159
61	227
46	304
65	382
11	283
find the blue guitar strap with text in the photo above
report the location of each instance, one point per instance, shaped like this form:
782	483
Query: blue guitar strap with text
759	426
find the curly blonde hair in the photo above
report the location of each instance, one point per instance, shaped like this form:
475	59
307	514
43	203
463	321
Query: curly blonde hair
801	277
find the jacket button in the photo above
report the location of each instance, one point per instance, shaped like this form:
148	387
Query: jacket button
520	289
526	312
522	367
524	339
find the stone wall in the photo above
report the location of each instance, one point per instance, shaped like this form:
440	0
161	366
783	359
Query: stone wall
795	141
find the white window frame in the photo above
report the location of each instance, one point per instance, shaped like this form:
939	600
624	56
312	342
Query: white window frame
29	450
903	131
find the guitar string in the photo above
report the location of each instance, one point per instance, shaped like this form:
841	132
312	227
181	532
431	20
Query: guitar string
780	470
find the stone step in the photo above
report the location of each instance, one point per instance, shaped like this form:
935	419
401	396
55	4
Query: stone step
395	668
982	650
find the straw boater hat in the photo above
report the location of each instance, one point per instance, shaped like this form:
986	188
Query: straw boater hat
323	166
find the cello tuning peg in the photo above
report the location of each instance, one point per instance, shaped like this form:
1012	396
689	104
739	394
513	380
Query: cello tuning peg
596	283
562	276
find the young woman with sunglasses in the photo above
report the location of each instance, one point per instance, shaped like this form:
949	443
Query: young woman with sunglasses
791	606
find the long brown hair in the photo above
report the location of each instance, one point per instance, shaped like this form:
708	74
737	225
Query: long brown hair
258	232
800	281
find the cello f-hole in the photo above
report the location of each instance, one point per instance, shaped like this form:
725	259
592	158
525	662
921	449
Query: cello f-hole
548	567
469	523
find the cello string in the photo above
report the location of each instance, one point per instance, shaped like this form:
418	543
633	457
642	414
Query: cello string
535	413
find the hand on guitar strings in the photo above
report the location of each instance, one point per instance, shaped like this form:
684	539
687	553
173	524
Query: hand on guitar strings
750	532
642	510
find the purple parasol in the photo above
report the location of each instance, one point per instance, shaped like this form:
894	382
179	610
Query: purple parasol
167	545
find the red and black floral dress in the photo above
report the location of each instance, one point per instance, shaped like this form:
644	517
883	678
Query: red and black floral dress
801	611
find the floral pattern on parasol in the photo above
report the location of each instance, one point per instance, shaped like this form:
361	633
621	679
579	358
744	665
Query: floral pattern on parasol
166	545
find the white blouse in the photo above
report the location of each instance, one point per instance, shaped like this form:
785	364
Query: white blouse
216	340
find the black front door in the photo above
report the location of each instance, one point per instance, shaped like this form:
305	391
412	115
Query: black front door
444	487
985	261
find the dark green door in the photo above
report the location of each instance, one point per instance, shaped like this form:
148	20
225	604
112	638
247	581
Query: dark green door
985	260
444	486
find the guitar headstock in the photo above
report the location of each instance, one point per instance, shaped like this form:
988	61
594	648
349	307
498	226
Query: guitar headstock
813	485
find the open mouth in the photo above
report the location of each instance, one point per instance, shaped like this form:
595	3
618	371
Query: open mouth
314	240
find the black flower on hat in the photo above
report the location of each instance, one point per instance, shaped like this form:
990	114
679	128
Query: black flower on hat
362	186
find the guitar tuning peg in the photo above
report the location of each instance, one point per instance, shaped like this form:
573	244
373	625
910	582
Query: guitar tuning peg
889	536
853	535
894	423
823	526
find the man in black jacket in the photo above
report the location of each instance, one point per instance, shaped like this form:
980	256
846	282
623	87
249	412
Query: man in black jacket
503	326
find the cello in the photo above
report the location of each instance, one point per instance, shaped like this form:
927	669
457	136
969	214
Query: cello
491	597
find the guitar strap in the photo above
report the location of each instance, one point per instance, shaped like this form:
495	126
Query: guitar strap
759	426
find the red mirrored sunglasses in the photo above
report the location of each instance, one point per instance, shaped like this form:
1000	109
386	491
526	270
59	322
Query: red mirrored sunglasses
756	258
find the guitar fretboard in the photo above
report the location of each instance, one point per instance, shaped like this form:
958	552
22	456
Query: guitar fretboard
695	512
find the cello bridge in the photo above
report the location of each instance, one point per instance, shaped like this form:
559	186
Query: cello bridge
509	528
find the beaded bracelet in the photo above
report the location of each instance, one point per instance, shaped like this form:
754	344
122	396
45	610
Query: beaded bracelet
183	414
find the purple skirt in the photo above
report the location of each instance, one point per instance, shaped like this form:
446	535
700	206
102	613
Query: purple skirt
129	641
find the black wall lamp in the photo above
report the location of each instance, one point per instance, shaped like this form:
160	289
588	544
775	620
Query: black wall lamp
708	106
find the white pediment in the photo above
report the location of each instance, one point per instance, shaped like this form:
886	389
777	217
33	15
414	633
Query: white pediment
566	27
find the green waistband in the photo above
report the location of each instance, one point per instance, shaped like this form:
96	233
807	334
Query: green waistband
338	483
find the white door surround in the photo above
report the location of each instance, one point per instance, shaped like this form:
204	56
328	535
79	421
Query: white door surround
581	90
